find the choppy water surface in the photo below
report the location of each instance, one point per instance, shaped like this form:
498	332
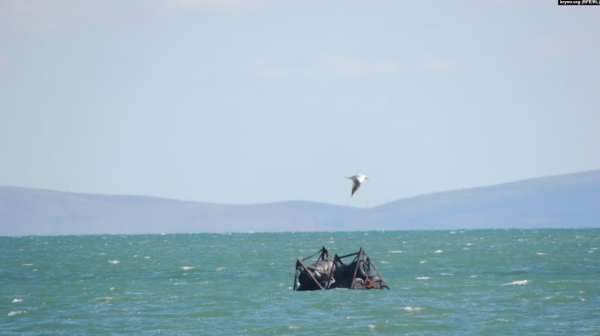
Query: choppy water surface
480	282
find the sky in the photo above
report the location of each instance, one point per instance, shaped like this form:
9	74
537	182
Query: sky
259	101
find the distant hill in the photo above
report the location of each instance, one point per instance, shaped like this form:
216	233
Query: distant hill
562	201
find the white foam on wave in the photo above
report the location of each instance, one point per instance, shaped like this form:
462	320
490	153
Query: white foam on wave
187	268
518	282
423	278
27	264
447	274
423	261
103	298
413	309
384	262
396	251
13	313
114	261
17	300
220	269
439	251
541	253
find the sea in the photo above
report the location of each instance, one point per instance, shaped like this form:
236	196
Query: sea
461	282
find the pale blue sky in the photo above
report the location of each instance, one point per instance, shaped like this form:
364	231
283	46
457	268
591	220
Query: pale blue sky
243	101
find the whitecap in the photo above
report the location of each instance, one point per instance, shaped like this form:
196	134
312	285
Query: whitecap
27	264
423	261
220	269
541	253
396	251
12	313
412	309
439	251
384	262
518	282
147	257
447	274
423	278
114	261
294	327
187	268
17	300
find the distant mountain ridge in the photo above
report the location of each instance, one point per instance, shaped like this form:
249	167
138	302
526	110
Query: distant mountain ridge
563	201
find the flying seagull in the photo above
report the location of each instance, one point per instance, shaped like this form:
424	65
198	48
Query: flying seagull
356	181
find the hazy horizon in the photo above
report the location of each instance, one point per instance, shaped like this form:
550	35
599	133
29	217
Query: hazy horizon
309	201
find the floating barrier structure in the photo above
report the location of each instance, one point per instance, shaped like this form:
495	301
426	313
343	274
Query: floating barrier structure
329	273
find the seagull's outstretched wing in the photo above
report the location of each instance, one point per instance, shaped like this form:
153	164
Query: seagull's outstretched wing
355	185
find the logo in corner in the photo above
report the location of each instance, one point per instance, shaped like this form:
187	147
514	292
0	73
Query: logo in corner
578	2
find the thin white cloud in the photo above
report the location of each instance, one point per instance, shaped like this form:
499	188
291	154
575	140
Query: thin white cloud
346	66
438	64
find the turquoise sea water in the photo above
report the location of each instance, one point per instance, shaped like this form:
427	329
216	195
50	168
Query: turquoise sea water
471	282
